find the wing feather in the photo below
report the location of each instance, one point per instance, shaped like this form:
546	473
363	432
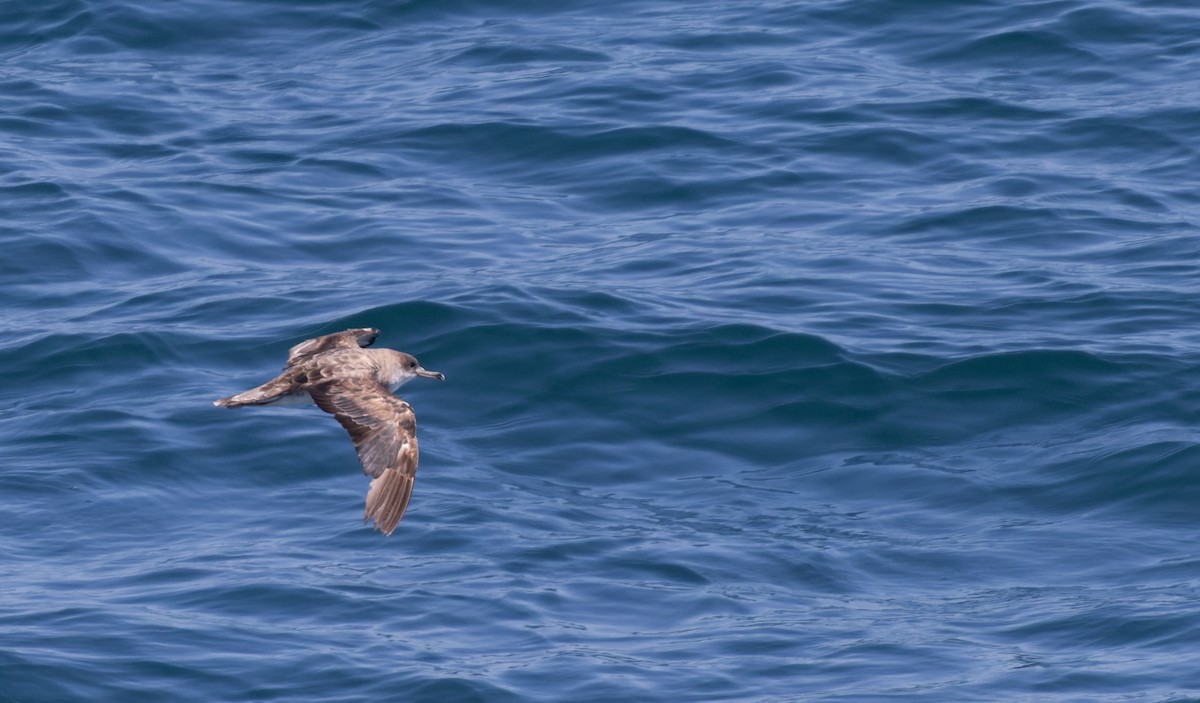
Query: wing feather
384	431
346	339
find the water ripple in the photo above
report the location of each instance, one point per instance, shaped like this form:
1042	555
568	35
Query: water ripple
817	351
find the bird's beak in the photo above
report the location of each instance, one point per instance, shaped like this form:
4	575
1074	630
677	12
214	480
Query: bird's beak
430	374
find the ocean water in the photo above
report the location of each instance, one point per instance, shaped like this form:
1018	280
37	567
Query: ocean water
841	350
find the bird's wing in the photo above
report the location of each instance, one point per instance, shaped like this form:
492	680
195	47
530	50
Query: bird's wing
384	430
346	339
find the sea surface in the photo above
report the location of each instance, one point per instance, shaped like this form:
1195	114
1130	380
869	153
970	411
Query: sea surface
838	350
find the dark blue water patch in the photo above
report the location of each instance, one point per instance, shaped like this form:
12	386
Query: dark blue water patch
1009	223
1151	483
198	28
1028	50
865	16
31	24
1112	25
493	57
891	146
1053	381
505	148
1120	139
981	112
84	360
745	34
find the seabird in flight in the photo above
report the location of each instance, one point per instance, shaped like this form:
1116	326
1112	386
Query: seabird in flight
355	385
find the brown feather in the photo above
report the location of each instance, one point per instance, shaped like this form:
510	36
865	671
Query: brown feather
383	429
353	384
387	499
346	339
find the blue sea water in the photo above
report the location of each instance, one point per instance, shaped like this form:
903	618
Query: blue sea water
842	350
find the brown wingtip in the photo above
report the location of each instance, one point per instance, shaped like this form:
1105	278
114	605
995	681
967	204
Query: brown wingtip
387	499
366	335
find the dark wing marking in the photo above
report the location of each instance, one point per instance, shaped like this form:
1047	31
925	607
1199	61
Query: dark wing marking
384	431
346	339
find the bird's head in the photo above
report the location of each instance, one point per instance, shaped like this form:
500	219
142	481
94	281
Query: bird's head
407	368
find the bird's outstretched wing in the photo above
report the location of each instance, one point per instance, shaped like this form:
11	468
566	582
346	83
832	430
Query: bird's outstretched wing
384	430
346	339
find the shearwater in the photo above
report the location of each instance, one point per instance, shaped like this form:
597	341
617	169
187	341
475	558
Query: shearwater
355	385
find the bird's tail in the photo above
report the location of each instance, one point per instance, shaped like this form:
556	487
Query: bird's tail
272	391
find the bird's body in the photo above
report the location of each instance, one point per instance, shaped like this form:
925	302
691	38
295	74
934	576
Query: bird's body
355	385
